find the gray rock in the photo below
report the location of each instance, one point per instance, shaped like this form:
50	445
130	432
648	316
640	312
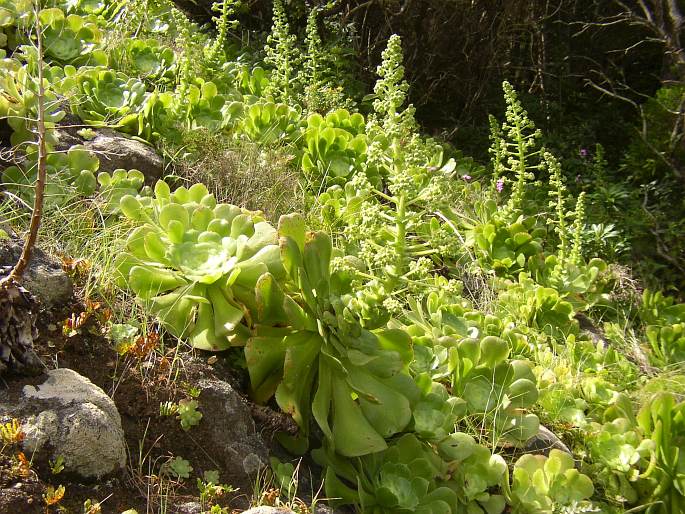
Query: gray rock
69	416
544	442
324	509
189	508
117	151
228	429
66	130
44	277
268	510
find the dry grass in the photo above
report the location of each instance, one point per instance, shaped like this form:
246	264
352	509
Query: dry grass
242	173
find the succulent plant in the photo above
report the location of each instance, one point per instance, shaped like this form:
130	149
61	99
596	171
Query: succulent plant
665	327
331	151
149	58
195	263
543	484
252	81
205	106
71	38
267	122
476	473
662	419
497	390
19	103
85	6
106	97
408	477
114	186
493	386
68	173
324	365
657	309
577	282
538	307
620	454
14	14
506	247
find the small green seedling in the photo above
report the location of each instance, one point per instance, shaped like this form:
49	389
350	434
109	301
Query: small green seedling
188	414
178	467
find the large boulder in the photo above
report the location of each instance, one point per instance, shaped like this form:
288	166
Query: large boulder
44	277
114	149
67	415
117	151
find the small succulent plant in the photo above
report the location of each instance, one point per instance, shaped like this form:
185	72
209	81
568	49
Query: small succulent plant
105	97
542	484
114	186
68	174
71	38
335	146
267	122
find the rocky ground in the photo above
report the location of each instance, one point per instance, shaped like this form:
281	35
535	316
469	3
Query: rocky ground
96	413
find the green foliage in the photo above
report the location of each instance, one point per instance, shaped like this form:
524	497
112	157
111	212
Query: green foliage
407	477
665	327
267	123
503	246
363	336
543	484
226	9
114	186
148	59
621	454
514	149
542	308
15	16
662	420
68	174
668	343
391	93
286	477
18	103
476	472
578	282
334	146
318	76
449	346
282	56
188	414
178	467
495	387
107	98
325	365
656	147
204	107
195	263
252	81
71	38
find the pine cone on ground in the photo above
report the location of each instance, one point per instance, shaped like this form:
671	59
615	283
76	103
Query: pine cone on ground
17	330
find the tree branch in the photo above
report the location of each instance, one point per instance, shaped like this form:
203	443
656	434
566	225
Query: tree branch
36	215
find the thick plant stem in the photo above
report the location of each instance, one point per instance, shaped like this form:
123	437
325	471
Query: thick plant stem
19	268
401	232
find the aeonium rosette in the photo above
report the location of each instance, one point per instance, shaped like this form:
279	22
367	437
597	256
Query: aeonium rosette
195	263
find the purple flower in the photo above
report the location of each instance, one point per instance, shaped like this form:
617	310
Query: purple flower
466	177
583	152
500	185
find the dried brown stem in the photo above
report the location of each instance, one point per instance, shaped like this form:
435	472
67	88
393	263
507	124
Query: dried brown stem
37	214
